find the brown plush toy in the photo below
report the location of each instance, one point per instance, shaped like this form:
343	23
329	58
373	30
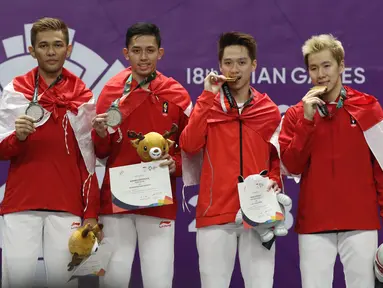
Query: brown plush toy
82	243
152	146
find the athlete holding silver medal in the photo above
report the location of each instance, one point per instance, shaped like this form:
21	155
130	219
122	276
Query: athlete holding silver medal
142	99
51	187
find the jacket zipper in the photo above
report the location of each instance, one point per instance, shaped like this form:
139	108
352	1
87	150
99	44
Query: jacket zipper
240	152
332	149
240	177
332	161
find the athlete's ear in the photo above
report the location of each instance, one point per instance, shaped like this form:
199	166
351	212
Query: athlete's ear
341	67
32	51
69	50
254	65
161	53
125	52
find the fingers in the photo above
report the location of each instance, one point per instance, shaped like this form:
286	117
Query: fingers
172	169
169	162
213	82
270	185
216	79
314	101
102	115
166	156
313	94
273	186
27	118
25	125
25	121
99	123
100	235
100	119
166	163
25	130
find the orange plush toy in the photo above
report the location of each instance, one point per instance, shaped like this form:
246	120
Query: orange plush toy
82	243
152	146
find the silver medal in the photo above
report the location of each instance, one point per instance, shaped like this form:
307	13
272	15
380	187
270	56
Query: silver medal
35	111
114	117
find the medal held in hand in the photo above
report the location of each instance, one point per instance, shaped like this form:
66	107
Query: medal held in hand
322	109
114	113
34	109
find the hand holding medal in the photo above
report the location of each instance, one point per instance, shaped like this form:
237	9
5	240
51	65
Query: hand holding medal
24	125
214	82
319	91
99	124
312	100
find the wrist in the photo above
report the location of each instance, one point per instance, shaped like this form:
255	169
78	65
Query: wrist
208	89
20	138
308	117
102	133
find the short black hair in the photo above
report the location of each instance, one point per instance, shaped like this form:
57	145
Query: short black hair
143	28
49	24
237	38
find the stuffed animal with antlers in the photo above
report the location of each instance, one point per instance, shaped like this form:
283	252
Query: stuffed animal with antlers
83	242
152	146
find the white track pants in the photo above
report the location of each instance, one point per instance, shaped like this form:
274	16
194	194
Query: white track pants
156	249
23	235
217	249
356	250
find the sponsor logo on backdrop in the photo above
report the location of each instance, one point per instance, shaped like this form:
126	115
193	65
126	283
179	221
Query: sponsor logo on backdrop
281	75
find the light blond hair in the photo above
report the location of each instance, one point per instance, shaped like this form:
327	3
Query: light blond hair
49	24
322	42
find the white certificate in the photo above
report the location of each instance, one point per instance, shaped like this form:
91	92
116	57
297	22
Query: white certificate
257	204
140	186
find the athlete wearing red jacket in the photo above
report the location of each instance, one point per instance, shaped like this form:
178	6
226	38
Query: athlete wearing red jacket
338	159
151	108
51	182
235	142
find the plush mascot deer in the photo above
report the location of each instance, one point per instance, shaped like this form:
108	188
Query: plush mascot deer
82	243
152	146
